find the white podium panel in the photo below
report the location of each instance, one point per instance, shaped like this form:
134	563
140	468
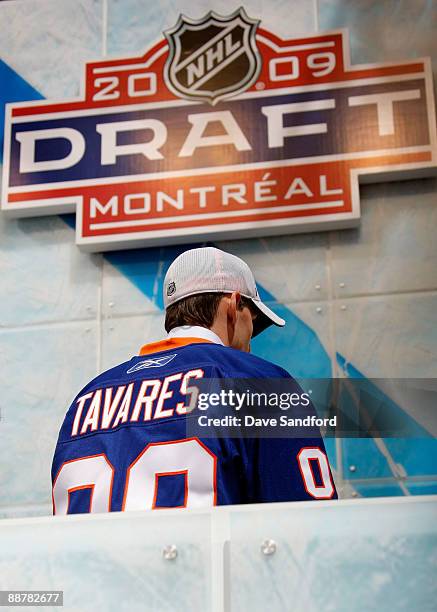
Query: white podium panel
350	556
340	556
111	562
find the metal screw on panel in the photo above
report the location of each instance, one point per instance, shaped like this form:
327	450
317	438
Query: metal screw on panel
170	552
342	285
352	468
319	310
318	287
268	547
343	307
111	304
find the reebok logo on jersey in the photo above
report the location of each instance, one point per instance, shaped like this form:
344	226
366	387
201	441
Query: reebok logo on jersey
157	362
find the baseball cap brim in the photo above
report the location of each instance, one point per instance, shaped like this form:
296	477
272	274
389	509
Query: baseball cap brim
265	317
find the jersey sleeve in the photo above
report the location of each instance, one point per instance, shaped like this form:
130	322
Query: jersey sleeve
291	469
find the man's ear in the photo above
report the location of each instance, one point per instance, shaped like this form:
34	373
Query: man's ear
233	302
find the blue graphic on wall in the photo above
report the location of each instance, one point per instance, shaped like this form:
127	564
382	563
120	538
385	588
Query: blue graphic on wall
14	89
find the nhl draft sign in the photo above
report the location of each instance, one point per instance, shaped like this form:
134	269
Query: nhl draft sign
221	129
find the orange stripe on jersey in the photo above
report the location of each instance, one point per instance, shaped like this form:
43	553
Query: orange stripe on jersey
168	344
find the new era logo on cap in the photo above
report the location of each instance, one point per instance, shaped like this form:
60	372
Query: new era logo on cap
210	270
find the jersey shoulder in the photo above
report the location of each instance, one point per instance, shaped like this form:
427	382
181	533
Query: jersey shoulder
111	376
217	359
235	363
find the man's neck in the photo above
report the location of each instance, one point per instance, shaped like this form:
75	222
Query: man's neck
195	331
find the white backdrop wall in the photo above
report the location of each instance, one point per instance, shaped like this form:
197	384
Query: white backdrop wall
365	297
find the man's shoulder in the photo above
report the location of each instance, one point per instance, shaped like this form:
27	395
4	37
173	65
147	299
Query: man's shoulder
230	362
238	363
116	374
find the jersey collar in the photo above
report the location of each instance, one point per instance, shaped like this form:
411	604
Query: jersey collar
194	331
181	336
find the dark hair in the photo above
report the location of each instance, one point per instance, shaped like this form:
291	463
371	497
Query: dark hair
200	309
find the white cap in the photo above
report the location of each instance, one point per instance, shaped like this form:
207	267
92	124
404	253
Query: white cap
210	270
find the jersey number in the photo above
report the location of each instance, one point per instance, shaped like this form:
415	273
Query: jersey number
306	458
188	457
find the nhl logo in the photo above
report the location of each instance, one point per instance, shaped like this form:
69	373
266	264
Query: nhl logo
212	58
171	288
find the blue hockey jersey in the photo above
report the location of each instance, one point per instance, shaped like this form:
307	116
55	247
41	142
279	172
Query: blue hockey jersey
124	445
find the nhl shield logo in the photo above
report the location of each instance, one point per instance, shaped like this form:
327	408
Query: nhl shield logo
212	58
